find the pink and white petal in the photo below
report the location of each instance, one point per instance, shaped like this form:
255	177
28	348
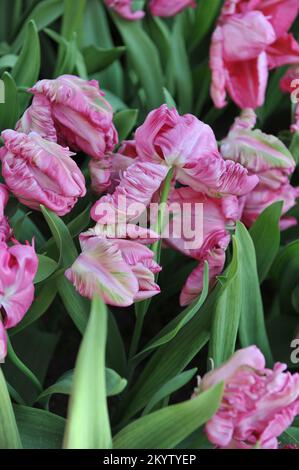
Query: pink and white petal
247	81
246	36
236	180
217	90
220	430
280	13
102	270
146	279
284	51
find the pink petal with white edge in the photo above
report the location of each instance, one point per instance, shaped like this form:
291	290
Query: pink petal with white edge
102	270
218	84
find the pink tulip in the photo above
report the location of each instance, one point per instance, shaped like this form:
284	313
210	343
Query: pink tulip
251	37
258	404
18	266
267	157
107	172
290	84
120	271
219	214
169	7
133	194
80	115
190	146
124	9
5	230
38	171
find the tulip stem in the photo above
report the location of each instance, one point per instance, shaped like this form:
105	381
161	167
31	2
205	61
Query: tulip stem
156	247
141	308
24	369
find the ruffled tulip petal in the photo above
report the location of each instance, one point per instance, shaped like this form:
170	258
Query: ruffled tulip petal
38	118
132	196
101	270
3	342
280	13
124	8
218	83
38	171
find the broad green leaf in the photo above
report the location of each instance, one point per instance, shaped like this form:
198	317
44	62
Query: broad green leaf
8	61
9	110
202	80
97	58
116	103
165	428
96	31
46	267
181	67
205	16
294	147
14	394
72	18
43	14
39	429
227	311
9	435
76	305
274	95
171	358
144	58
160	35
252	323
67	250
290	436
43	299
125	122
171	330
285	272
170	387
68	54
114	385
265	234
26	69
115	351
88	424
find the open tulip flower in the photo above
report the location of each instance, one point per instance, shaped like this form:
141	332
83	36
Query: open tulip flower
251	37
258	403
38	171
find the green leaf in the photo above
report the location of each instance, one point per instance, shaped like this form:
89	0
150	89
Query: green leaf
172	329
9	110
114	384
285	272
169	99
68	53
46	267
8	61
43	299
97	58
63	239
72	18
9	435
180	67
205	17
115	353
76	305
290	436
144	58
294	147
26	69
88	420
43	14
125	122
170	387
252	323
165	428
265	234
39	429
171	358
227	312
160	34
